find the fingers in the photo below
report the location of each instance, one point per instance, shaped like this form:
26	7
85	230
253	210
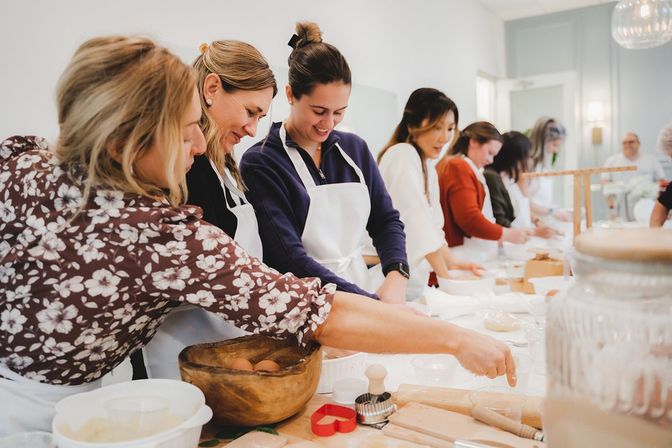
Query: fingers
511	376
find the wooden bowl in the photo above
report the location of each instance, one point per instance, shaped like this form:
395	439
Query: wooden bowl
250	398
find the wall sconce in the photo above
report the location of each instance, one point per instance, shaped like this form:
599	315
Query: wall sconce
595	116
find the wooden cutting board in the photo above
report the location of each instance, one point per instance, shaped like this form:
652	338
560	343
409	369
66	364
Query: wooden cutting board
450	426
457	400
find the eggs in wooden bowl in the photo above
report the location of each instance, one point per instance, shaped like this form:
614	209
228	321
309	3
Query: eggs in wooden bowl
252	380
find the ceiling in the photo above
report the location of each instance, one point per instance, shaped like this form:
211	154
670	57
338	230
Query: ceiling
517	9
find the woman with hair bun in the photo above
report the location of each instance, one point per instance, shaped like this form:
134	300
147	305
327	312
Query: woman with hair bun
316	190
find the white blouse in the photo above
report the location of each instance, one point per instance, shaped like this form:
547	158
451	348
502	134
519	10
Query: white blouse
401	169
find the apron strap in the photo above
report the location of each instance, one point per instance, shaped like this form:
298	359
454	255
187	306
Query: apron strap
299	165
352	163
302	168
227	184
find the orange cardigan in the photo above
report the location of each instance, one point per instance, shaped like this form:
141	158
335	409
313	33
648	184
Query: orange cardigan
462	197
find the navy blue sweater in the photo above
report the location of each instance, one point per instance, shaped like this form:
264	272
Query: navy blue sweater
281	202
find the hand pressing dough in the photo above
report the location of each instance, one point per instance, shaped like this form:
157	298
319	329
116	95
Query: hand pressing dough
258	439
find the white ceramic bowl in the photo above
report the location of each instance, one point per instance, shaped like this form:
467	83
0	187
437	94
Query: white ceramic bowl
457	285
186	409
543	285
351	366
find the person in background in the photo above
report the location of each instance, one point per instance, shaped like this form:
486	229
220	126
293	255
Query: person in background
661	209
469	221
98	247
236	87
648	171
546	137
427	125
510	204
317	191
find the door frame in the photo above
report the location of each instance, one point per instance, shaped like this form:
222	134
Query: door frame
570	101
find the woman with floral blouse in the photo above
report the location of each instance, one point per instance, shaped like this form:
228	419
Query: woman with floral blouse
97	249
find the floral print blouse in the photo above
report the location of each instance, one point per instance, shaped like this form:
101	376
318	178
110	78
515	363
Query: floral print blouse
79	293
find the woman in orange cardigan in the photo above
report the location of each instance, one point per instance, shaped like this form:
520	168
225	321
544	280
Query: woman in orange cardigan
469	223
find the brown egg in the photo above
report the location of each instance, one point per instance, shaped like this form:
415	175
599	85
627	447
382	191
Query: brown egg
241	364
267	365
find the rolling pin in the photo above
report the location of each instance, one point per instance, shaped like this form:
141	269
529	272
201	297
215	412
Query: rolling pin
457	400
492	418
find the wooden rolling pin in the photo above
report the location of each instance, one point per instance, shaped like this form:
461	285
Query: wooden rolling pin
457	400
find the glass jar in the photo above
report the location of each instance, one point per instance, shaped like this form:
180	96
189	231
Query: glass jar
609	338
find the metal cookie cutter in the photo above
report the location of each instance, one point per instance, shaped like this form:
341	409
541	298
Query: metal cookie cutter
374	407
374	412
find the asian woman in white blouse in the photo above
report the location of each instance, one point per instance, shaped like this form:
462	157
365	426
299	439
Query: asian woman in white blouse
426	127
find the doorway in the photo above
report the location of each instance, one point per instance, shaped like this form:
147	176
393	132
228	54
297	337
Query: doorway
521	101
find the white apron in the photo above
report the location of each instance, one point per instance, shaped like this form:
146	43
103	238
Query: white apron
521	205
476	249
28	405
189	324
336	222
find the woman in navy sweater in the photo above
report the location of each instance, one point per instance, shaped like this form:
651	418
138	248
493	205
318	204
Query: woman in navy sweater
316	191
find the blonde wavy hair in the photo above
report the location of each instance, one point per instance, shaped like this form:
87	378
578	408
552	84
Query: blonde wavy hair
116	96
239	66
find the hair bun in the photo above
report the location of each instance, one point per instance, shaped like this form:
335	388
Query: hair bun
203	47
307	33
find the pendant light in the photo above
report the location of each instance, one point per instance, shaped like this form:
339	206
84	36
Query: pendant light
639	24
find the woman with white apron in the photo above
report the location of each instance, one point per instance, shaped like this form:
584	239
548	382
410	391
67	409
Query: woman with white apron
317	191
470	225
233	106
546	138
406	164
510	204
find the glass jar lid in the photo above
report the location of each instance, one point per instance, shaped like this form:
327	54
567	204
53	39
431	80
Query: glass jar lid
627	244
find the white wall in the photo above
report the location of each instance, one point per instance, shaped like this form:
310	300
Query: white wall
394	45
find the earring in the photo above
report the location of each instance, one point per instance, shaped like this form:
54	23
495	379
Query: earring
208	101
291	103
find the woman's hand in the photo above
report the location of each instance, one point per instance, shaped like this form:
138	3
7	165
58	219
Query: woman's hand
393	289
544	231
483	355
460	265
516	236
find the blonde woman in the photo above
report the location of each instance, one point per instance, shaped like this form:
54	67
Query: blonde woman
97	248
236	87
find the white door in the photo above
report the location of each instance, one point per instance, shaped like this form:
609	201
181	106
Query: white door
521	101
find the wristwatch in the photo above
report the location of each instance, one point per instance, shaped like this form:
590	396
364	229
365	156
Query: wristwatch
399	267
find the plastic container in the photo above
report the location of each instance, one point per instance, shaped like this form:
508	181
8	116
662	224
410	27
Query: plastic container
138	416
94	414
502	400
33	439
347	390
434	370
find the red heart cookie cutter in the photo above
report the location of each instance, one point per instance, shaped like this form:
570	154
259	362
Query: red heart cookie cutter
333	410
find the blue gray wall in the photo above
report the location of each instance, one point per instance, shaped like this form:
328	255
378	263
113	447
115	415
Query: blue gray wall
634	85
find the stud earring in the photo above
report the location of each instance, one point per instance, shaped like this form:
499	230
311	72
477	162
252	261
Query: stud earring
208	101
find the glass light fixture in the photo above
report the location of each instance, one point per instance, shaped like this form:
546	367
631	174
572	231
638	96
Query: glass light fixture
639	24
